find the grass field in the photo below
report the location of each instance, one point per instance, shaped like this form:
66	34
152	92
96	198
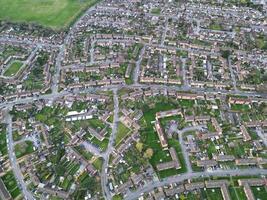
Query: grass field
3	146
170	172
23	148
98	163
209	194
151	140
237	193
11	184
260	193
55	14
123	131
149	135
13	68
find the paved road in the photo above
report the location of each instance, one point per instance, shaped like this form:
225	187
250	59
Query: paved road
92	52
138	65
232	72
104	176
164	32
13	160
192	128
183	147
186	83
56	77
180	178
197	30
32	99
135	86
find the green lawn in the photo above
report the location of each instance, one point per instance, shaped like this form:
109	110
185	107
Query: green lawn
3	145
117	197
11	184
98	163
209	194
213	194
215	26
237	193
93	123
51	13
260	193
240	107
23	148
110	119
156	11
150	137
102	145
13	68
87	155
123	131
170	172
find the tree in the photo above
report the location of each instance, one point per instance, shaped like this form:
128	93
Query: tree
182	197
139	146
225	53
148	153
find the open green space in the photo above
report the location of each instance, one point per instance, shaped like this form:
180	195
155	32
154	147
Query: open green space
260	193
240	107
23	148
261	42
213	194
170	172
110	119
94	123
98	163
156	11
123	131
151	140
149	135
13	68
16	135
3	144
11	184
55	14
215	26
102	145
209	194
117	197
237	193
82	151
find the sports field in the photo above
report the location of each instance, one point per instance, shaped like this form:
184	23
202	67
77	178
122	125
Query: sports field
56	14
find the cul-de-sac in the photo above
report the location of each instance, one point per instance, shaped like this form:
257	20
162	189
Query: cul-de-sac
133	100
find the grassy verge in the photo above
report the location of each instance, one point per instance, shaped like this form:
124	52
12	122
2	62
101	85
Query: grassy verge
123	131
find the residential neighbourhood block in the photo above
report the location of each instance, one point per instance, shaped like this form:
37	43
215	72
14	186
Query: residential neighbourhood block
134	100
